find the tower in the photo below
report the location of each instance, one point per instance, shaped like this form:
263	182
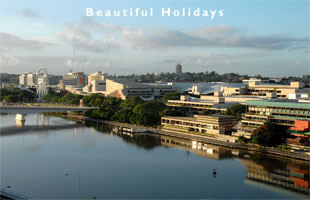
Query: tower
178	69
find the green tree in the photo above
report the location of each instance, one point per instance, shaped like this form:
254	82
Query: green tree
171	112
171	96
236	110
148	113
123	115
131	103
269	135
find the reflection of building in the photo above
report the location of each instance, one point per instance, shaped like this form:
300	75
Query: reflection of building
285	175
216	126
200	149
282	113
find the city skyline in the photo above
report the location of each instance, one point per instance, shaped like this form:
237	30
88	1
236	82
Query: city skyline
270	38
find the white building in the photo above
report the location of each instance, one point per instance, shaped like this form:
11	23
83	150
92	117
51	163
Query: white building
27	79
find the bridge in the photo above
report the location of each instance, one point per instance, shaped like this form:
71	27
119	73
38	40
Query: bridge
20	111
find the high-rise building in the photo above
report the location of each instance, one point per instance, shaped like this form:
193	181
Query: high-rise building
178	69
27	79
23	79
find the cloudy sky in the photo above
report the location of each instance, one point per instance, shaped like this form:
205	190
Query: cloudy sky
252	37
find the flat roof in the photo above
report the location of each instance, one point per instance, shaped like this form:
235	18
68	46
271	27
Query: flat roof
283	104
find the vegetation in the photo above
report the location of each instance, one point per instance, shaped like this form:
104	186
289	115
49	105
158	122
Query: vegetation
269	135
171	96
236	110
15	95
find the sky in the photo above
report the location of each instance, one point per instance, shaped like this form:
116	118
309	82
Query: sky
270	38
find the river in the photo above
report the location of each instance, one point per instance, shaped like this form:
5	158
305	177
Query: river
103	164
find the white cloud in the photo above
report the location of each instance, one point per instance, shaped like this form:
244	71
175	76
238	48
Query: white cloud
10	41
7	59
79	38
38	24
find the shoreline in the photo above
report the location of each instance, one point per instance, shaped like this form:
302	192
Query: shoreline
249	147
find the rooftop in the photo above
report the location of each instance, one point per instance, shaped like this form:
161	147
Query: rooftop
279	103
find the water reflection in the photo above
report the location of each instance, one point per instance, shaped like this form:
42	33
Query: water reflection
281	174
112	167
286	174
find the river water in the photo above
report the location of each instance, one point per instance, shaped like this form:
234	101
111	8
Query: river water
109	165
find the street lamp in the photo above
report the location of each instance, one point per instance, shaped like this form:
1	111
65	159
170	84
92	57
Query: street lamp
79	176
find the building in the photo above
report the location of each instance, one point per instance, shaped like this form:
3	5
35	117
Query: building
27	79
178	69
280	112
125	89
96	83
256	80
234	98
96	76
215	104
214	126
74	79
282	91
306	77
233	91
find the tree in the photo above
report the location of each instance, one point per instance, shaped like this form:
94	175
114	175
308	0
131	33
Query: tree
131	103
171	112
123	115
171	96
148	113
269	135
236	110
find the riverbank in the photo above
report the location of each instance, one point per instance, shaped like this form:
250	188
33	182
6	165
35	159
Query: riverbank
248	147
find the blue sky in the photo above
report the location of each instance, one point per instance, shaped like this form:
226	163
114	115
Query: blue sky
253	37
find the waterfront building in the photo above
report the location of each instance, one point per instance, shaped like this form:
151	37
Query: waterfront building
214	126
215	104
125	89
280	112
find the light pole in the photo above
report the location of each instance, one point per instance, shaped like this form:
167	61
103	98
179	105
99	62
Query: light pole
79	176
